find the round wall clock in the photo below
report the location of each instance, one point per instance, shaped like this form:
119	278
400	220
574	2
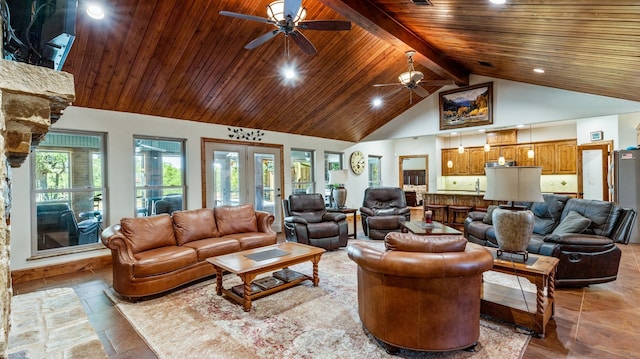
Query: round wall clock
357	162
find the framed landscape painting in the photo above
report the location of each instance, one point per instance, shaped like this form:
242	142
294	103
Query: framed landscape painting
466	107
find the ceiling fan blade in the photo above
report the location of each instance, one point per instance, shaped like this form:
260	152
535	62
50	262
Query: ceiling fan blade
380	85
246	17
436	82
416	76
291	7
420	91
262	39
303	43
329	25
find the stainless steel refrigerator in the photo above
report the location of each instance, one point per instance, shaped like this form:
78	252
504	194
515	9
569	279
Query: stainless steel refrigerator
627	184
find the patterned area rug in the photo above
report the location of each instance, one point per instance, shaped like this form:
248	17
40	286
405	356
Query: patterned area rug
300	322
52	324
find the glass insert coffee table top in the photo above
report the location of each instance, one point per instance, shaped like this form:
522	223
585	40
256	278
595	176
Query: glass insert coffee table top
436	228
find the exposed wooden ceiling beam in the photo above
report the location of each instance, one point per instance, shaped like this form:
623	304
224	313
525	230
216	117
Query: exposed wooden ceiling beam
370	17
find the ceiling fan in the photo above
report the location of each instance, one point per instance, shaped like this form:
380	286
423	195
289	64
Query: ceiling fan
412	80
288	16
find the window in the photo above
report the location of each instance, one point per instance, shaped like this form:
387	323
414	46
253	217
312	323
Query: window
375	179
332	161
159	175
68	186
302	171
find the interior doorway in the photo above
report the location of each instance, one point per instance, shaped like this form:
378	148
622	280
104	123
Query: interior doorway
239	172
594	176
413	173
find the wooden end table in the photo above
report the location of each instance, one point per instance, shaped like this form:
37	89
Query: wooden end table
247	269
531	310
346	211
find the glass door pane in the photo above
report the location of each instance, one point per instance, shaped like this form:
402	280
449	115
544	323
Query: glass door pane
266	181
227	176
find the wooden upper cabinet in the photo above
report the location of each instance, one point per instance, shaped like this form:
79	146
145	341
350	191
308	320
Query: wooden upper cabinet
503	137
462	163
546	157
477	160
509	153
566	157
493	154
522	158
449	154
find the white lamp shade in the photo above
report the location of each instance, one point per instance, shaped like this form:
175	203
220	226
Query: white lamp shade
338	176
518	184
275	12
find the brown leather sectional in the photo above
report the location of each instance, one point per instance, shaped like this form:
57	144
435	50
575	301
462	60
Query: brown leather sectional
154	254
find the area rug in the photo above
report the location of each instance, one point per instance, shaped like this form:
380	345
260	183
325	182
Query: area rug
52	324
300	322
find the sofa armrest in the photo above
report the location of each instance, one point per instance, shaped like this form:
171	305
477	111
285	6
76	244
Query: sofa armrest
334	216
113	239
476	215
402	211
265	220
295	219
366	211
578	239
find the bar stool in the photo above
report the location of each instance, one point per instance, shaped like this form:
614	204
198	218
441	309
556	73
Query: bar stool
438	208
455	212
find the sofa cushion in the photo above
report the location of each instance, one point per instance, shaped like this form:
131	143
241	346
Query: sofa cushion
192	225
409	242
250	240
144	233
236	219
163	260
488	217
572	223
603	215
211	247
547	214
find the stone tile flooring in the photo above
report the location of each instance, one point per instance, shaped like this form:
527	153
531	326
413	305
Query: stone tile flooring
599	321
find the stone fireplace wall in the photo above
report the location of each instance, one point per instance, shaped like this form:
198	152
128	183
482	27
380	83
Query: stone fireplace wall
31	99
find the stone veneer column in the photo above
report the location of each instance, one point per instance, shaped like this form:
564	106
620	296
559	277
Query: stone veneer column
31	99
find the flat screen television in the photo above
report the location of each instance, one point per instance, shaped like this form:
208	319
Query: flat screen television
38	32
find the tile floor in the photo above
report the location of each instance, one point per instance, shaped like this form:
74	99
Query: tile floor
599	321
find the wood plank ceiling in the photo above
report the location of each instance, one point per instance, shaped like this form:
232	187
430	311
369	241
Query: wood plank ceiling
181	59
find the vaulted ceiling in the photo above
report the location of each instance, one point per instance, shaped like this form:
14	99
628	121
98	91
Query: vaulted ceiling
183	60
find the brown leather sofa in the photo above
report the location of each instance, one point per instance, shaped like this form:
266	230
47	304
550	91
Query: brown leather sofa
383	210
307	221
587	257
423	293
154	254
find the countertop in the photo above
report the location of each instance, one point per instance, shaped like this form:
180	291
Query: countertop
460	193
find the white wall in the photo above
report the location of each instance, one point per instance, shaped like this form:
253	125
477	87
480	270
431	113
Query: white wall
514	103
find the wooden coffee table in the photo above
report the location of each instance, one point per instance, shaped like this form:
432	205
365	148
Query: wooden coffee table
437	229
531	310
247	269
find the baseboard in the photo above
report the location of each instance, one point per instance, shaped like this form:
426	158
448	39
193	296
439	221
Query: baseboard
25	275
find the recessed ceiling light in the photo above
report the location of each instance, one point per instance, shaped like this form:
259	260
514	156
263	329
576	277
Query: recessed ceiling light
520	126
289	74
481	130
538	70
376	102
95	11
499	2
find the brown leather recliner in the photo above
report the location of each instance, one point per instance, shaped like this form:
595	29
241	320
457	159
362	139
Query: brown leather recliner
383	210
423	293
307	221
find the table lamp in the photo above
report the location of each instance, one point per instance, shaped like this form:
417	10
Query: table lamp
337	178
513	224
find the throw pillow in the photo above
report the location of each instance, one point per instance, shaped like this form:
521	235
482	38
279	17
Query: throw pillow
572	223
487	217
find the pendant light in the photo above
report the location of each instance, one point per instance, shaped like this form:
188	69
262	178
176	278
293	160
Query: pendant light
487	148
530	153
449	162
460	146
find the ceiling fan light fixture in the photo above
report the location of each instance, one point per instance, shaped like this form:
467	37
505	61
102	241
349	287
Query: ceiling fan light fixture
275	12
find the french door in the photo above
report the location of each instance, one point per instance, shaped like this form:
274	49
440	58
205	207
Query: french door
238	174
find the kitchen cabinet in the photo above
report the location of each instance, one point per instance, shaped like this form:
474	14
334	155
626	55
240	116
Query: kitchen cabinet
449	155
509	153
462	163
522	159
566	157
502	137
477	160
546	157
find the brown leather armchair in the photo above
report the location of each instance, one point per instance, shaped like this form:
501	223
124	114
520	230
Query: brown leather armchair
423	293
307	221
383	210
